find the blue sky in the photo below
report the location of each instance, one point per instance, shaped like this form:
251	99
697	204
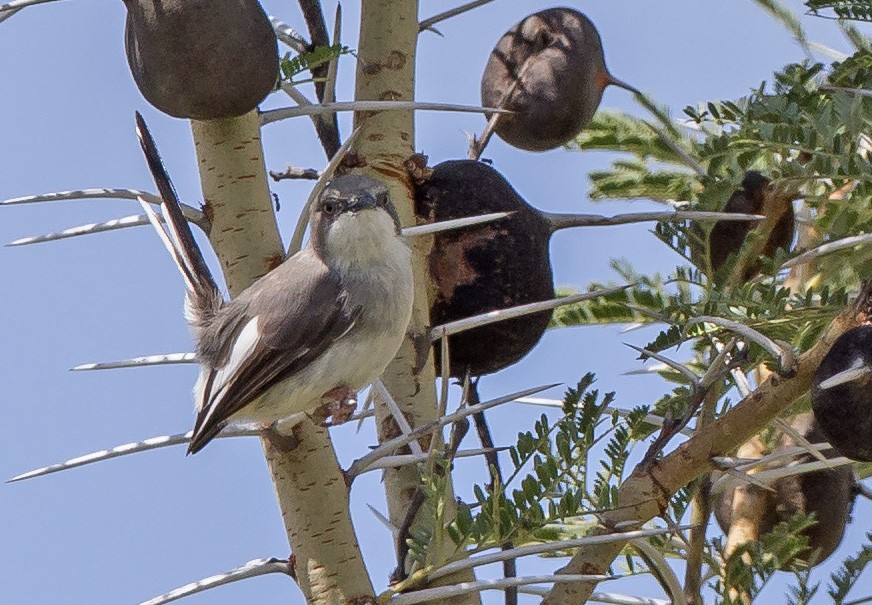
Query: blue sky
128	529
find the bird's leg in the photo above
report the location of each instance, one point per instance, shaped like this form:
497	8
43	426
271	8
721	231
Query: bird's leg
338	405
281	432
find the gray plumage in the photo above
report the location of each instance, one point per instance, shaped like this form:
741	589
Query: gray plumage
328	319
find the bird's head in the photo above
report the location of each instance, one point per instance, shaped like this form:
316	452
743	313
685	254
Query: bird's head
354	219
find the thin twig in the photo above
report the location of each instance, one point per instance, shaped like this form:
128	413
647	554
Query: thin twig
510	566
660	569
326	125
458	432
558	221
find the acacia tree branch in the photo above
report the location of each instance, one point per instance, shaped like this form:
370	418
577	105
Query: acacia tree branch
386	71
309	484
646	493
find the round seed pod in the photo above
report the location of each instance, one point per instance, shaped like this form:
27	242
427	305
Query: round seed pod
201	59
727	237
486	267
829	494
550	70
841	394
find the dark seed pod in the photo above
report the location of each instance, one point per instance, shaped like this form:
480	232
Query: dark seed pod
727	237
201	59
844	411
829	494
487	267
549	69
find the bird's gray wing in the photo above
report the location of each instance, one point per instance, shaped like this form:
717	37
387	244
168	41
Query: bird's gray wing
273	330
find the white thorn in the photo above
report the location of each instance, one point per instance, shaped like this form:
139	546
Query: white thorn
274	115
138	362
846	376
252	569
456	223
468	323
388	447
684	370
443	593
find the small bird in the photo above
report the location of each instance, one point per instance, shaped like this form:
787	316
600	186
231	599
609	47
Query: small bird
841	394
727	237
314	330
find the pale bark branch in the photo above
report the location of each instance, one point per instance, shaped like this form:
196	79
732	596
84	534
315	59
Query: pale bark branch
386	73
309	484
645	494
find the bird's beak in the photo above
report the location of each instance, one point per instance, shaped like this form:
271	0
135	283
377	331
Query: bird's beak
848	375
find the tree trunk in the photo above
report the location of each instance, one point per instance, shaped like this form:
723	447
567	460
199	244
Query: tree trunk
386	71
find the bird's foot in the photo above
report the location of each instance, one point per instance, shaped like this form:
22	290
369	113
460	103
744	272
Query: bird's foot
281	432
339	405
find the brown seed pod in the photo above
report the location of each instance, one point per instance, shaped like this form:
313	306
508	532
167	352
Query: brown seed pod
201	59
829	494
549	69
727	237
487	267
844	410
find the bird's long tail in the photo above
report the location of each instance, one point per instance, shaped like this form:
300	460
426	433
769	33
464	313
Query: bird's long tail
203	295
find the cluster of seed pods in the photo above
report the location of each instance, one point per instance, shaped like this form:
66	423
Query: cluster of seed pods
549	70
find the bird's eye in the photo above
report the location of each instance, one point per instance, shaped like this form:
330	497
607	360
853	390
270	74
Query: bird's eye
330	206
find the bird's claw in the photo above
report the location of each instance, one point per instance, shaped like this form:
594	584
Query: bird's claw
339	405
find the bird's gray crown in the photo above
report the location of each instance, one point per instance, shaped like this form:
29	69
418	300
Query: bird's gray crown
352	193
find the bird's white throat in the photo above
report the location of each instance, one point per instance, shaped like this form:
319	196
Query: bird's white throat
364	238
